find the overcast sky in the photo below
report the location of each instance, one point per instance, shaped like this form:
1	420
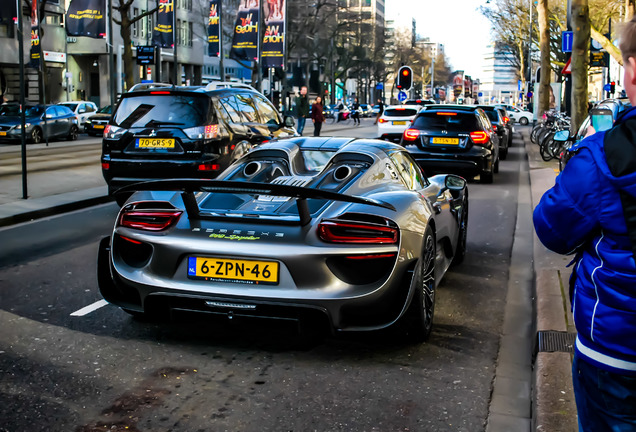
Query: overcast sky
457	24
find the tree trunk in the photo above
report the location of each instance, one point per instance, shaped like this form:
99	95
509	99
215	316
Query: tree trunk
127	57
580	61
544	45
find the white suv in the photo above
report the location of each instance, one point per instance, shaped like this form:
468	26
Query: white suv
82	110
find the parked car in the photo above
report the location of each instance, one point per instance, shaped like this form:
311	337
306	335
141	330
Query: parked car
517	115
394	121
499	125
96	123
366	110
454	138
82	109
51	121
508	122
187	132
345	232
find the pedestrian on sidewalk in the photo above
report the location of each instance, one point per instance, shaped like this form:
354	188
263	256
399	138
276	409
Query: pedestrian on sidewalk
317	116
355	112
591	210
380	112
302	109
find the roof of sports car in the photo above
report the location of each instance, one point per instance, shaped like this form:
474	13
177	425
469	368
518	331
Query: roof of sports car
330	143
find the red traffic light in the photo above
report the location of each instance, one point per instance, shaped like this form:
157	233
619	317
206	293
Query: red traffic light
405	78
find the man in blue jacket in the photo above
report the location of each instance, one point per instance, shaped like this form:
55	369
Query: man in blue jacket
591	210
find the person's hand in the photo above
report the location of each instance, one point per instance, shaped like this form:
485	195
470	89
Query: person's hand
589	131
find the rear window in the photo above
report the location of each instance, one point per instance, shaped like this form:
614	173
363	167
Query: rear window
182	111
450	121
492	115
400	112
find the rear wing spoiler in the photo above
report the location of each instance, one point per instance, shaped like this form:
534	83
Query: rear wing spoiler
188	187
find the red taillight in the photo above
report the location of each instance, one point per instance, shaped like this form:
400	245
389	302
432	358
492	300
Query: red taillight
411	134
382	120
494	127
130	240
106	130
105	166
209	167
149	220
479	137
335	231
159	92
446	113
506	119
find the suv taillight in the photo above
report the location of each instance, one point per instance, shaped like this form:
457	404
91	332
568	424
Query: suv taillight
479	137
411	134
336	231
149	220
114	132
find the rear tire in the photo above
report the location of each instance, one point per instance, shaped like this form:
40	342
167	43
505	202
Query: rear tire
419	316
523	121
73	133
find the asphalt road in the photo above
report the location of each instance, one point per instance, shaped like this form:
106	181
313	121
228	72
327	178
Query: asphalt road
66	368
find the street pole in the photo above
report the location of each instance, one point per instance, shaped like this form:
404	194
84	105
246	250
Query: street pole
25	194
433	77
176	73
111	55
221	65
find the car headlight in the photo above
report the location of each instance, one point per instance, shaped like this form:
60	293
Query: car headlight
114	132
19	126
89	121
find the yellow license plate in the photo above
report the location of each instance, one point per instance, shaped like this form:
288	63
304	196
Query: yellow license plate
155	143
399	122
3	134
233	270
454	141
98	126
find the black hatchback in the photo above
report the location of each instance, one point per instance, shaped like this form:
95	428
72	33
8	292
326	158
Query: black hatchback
185	132
455	140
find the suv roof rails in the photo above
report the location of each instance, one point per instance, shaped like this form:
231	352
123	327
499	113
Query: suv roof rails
216	85
147	86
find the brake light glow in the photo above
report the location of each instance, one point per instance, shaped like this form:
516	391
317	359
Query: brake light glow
383	120
411	134
105	166
209	167
336	231
446	113
399	109
479	137
149	220
506	119
159	92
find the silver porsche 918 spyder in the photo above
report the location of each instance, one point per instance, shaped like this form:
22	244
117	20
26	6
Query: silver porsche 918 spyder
349	230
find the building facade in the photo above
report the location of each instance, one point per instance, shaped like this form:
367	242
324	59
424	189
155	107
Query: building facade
499	78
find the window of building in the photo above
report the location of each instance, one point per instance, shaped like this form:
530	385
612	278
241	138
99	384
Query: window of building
190	33
135	26
179	36
142	26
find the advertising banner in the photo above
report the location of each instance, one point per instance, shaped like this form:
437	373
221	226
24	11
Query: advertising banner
86	18
162	34
245	40
214	29
36	49
273	48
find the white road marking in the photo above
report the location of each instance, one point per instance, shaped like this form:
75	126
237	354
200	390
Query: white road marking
90	308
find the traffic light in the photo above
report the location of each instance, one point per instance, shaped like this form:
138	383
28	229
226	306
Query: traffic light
612	87
405	78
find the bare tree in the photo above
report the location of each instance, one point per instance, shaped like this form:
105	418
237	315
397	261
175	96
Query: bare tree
125	22
580	61
544	44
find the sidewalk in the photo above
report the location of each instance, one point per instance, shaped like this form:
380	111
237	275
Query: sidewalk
548	387
555	408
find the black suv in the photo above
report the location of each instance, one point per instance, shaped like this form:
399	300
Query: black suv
454	138
185	132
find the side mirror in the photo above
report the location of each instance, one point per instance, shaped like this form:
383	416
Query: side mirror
289	121
455	182
562	136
